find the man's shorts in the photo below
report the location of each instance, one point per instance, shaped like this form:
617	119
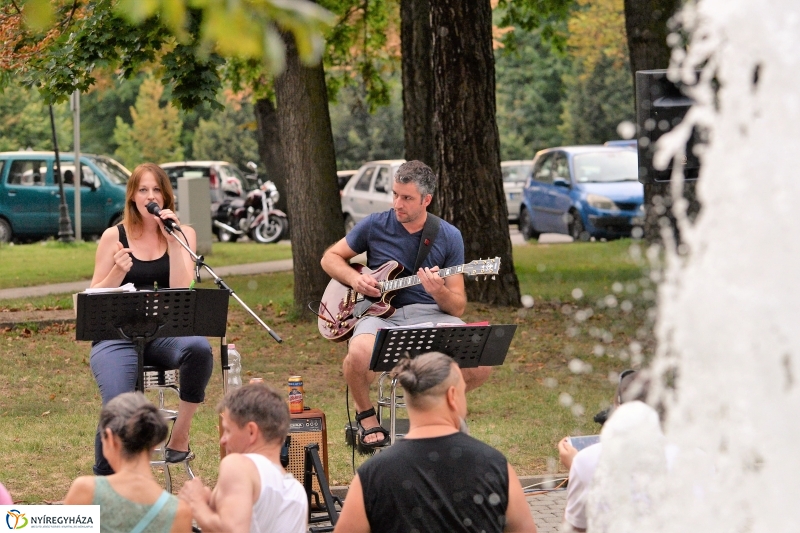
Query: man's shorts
405	316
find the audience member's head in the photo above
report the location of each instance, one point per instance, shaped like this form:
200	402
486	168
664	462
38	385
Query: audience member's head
136	421
260	404
429	380
632	386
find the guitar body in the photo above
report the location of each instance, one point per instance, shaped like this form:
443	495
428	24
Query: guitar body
341	306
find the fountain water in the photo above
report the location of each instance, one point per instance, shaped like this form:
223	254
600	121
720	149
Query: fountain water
729	307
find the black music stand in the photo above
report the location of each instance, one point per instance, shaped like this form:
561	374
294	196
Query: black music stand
142	316
470	346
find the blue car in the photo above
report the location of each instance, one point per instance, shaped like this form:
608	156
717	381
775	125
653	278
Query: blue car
583	191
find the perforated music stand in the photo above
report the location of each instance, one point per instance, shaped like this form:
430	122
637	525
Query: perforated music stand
470	346
142	316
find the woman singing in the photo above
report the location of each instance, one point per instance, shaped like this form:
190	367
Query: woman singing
142	252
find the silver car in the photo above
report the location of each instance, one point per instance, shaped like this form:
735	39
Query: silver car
515	174
369	191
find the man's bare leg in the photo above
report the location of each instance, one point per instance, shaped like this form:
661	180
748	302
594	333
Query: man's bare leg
359	377
475	377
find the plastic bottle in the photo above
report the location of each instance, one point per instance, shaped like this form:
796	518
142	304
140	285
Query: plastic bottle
235	370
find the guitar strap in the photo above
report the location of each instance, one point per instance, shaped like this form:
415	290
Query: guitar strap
429	232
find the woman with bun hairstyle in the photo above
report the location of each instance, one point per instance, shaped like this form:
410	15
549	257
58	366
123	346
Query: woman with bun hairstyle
142	252
131	499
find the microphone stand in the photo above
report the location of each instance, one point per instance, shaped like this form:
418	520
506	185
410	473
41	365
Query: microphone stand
198	262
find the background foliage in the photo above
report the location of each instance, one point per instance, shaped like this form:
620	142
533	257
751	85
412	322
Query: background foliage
562	77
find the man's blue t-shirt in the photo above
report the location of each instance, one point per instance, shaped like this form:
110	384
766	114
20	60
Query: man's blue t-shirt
384	239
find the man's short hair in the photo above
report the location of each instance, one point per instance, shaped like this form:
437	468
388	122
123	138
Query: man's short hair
633	386
420	174
261	404
424	378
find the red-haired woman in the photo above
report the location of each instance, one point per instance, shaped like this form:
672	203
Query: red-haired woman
142	252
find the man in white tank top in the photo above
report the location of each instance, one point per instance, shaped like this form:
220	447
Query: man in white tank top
253	493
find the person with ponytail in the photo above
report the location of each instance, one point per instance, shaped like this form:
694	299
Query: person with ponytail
131	500
437	478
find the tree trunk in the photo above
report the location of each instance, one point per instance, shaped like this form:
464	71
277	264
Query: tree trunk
315	212
646	23
416	40
470	193
269	147
646	26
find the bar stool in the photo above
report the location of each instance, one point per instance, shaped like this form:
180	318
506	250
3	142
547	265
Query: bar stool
389	399
162	380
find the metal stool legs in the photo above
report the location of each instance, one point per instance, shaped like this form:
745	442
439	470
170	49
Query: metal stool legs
162	380
390	400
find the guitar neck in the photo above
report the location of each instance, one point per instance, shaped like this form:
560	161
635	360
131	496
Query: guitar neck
410	281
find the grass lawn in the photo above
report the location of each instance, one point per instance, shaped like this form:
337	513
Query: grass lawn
590	319
57	262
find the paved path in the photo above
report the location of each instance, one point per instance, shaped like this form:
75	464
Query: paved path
78	286
548	510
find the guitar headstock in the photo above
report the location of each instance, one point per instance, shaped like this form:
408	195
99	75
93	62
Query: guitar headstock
483	267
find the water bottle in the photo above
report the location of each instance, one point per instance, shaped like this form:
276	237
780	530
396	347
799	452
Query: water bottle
235	368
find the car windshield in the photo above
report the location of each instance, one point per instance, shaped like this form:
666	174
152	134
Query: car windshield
609	166
517	173
231	171
114	171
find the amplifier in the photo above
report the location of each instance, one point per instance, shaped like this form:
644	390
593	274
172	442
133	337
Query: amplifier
306	428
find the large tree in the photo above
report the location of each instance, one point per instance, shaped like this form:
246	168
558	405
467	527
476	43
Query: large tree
417	38
647	27
470	191
304	128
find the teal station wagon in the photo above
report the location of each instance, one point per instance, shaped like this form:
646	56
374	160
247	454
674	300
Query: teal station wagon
30	197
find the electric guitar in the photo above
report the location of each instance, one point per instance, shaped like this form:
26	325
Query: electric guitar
341	306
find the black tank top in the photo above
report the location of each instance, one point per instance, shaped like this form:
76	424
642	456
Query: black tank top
453	483
143	274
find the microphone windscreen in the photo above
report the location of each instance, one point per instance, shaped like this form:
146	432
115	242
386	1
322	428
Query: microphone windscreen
153	208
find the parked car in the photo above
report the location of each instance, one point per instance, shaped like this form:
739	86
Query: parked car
515	175
223	177
30	198
583	191
627	143
369	191
343	176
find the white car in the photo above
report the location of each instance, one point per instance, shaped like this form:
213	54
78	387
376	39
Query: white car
515	175
369	191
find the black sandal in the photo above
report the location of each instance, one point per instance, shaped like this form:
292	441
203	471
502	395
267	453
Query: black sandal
371	431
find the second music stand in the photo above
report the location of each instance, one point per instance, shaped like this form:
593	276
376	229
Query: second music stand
470	346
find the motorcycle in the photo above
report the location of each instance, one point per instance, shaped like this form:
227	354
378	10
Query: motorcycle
254	216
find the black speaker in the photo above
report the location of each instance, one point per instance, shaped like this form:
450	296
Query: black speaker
660	106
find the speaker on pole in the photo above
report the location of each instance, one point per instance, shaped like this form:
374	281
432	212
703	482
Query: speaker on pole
660	106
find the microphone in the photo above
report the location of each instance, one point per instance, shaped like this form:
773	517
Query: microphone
153	209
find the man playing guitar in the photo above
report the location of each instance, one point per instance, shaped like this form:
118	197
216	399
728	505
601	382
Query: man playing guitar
396	235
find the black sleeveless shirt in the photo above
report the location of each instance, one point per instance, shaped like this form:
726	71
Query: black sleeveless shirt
143	274
448	484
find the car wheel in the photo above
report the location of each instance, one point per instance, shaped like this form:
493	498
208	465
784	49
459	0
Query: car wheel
349	223
271	230
5	231
526	225
576	229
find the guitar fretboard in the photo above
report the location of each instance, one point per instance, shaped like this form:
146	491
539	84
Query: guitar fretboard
401	283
